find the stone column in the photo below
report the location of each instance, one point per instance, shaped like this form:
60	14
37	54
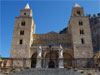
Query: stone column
61	63
39	58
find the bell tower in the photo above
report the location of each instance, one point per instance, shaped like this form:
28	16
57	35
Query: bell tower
77	11
81	33
24	29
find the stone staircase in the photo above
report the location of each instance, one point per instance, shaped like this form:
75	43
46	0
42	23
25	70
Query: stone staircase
49	71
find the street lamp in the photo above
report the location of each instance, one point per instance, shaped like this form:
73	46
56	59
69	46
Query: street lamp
50	46
51	62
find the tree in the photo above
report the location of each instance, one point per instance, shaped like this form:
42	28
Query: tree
89	15
94	15
98	14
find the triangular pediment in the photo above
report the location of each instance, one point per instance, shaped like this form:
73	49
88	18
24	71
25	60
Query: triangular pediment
52	32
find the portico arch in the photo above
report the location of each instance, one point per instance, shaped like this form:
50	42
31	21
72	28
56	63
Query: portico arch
51	59
33	60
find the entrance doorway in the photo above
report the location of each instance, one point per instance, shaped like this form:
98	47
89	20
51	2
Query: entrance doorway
51	60
51	64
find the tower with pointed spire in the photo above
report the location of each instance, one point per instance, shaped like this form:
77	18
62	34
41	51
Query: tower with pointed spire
24	29
81	33
77	5
77	10
27	6
27	11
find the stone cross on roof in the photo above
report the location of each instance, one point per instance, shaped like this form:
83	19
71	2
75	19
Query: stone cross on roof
27	6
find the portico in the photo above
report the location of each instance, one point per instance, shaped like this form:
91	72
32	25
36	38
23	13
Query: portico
49	57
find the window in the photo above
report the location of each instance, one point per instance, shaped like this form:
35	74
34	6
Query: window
23	23
82	41
21	42
21	32
80	23
81	31
78	12
24	13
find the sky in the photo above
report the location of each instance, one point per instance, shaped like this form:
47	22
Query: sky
48	15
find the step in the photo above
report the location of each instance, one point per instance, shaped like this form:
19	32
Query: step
45	71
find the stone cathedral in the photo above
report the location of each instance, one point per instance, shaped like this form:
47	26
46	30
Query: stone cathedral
51	50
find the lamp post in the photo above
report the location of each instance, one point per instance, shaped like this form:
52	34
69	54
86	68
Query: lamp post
51	64
50	51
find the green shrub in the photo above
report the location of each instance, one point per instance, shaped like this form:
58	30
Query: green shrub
89	73
6	72
22	69
27	67
14	71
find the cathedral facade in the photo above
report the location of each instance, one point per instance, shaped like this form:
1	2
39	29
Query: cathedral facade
51	50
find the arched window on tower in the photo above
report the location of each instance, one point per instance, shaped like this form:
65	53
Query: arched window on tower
20	41
24	13
81	31
78	12
82	41
23	23
80	23
22	32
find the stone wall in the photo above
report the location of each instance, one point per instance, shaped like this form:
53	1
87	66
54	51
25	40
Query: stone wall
52	38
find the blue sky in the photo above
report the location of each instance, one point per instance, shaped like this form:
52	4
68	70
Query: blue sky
51	15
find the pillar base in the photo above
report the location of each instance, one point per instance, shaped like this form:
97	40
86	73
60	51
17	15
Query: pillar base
38	63
61	63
